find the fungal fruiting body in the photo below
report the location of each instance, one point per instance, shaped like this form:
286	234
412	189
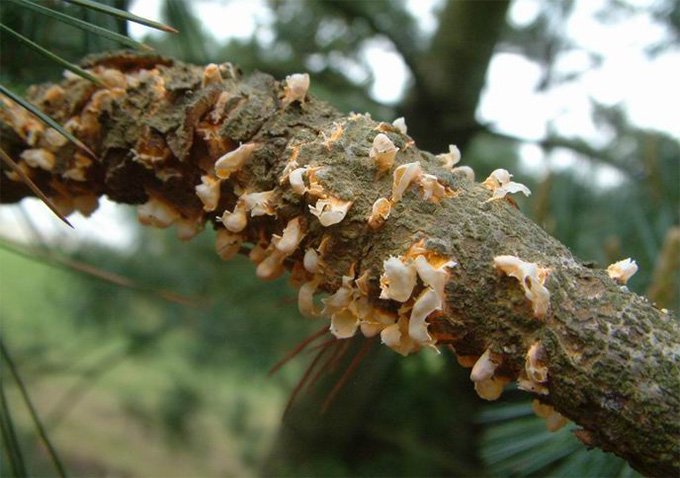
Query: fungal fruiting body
295	88
465	172
500	184
534	377
260	203
553	419
403	176
380	211
450	159
383	152
487	385
400	124
208	192
412	173
227	243
296	180
622	271
233	161
344	322
531	277
39	158
398	280
426	303
157	213
211	75
432	189
290	238
330	210
236	220
311	261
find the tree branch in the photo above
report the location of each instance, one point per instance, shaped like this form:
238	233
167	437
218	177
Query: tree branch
163	128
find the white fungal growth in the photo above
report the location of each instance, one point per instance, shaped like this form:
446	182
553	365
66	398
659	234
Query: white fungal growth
485	366
209	192
315	187
398	280
500	184
379	213
290	237
258	253
622	271
296	180
450	159
39	158
490	389
79	168
295	88
400	124
341	298
432	189
54	139
330	210
157	213
260	203
383	152
344	324
271	267
236	220
211	75
188	228
306	298
434	274
376	322
428	302
311	261
534	365
531	277
403	176
397	338
465	172
553	419
233	161
86	204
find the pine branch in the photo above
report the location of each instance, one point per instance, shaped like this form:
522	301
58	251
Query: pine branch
189	143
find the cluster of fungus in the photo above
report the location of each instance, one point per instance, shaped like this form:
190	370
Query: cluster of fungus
290	220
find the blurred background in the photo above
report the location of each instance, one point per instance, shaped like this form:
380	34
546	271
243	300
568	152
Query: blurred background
145	356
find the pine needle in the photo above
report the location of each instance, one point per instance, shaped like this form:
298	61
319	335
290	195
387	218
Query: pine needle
31	410
32	186
55	58
89	269
83	25
298	348
351	368
9	436
122	14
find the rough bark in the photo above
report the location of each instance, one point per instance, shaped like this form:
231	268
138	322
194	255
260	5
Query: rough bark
611	355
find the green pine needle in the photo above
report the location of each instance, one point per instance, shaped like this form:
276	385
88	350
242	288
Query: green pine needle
57	59
32	411
10	441
122	14
103	32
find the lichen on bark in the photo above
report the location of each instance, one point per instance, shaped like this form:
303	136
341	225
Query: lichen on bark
159	128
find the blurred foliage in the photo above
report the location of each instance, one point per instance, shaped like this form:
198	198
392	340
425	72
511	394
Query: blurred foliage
132	385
